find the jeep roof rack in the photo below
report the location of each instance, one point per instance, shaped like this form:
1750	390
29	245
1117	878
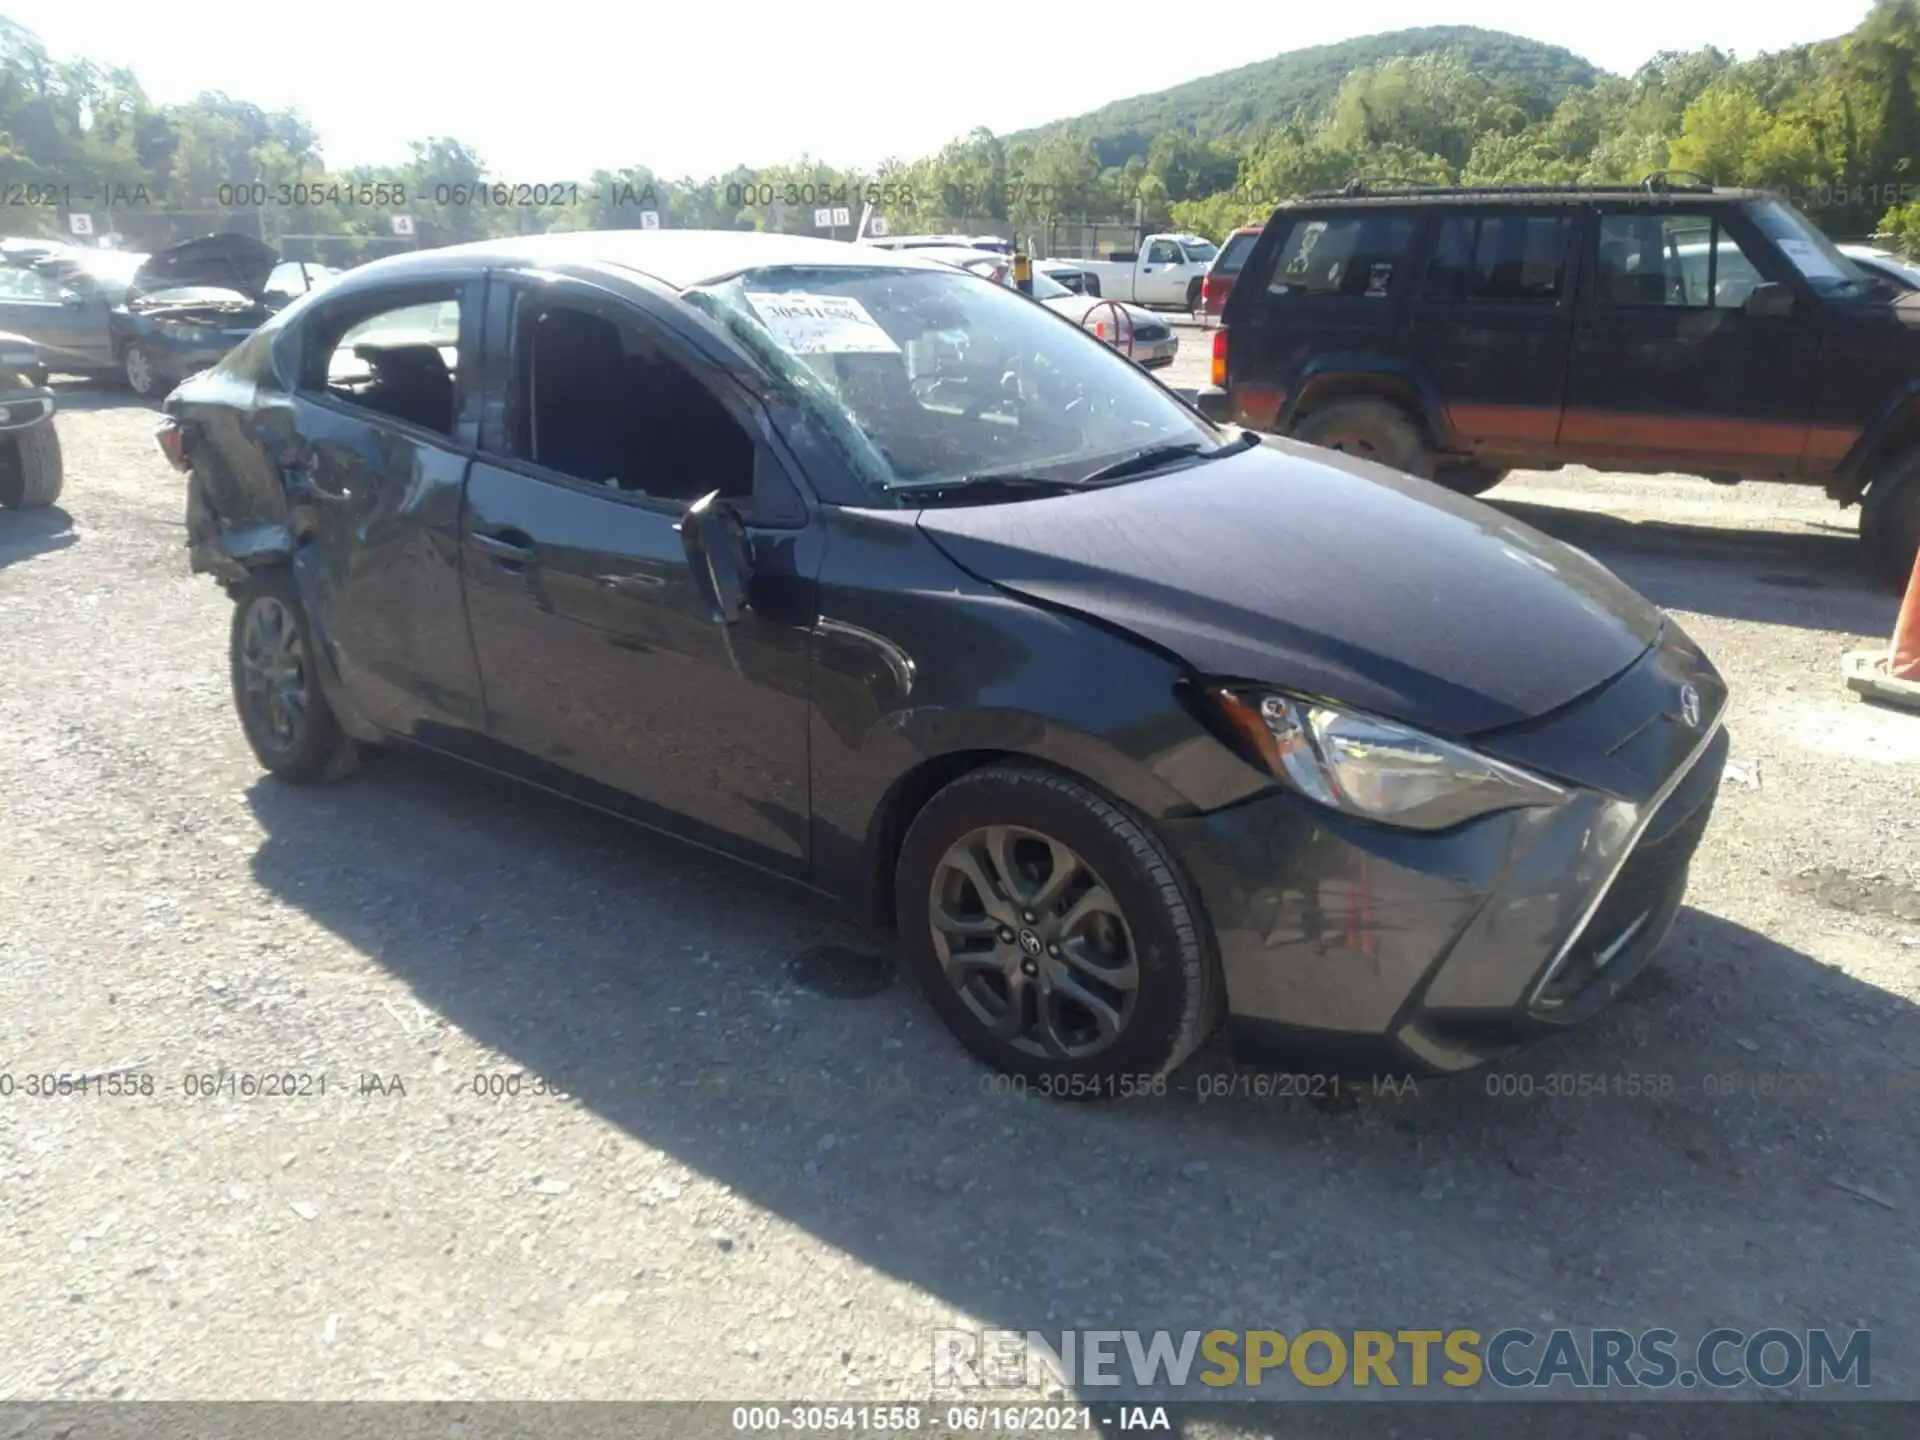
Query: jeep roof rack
1657	182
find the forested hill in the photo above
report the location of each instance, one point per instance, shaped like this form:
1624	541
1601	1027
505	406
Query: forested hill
1252	100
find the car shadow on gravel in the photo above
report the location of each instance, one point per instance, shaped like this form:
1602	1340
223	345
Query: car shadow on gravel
1732	1143
1806	580
25	533
79	395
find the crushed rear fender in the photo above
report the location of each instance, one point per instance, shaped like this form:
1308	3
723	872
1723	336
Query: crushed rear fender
239	515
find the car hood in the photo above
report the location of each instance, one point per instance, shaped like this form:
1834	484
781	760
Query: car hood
1325	575
223	262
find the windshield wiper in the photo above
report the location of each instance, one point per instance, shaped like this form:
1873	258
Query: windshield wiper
989	480
1157	455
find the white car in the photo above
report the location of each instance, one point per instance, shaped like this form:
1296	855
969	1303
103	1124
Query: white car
1154	343
1885	265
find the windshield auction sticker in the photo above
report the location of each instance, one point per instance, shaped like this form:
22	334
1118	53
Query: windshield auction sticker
822	324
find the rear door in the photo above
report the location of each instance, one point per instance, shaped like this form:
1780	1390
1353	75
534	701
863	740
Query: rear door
1328	289
1494	323
385	420
1667	366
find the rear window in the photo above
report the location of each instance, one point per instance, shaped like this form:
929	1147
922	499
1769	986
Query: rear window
1234	255
1365	256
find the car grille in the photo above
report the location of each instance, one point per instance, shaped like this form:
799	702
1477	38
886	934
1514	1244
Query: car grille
1151	332
1653	880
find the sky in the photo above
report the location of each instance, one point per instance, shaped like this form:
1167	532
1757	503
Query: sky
556	90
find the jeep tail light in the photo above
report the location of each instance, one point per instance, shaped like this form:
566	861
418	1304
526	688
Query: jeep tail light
173	445
1219	375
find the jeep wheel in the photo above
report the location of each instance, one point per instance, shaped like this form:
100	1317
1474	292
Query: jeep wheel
1469	479
1376	430
30	468
1890	522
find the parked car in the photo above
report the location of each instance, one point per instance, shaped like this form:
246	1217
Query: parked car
1153	345
30	470
20	356
151	318
1457	333
1069	276
996	243
882	579
1165	272
1901	276
1218	283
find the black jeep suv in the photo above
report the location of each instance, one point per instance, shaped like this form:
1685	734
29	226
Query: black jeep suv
1457	333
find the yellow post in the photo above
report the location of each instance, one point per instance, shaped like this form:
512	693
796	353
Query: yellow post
1022	271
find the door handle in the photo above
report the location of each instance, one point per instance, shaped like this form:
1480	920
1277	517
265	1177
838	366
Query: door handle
506	549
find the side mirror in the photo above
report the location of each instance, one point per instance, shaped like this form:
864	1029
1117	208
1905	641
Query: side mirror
715	541
1769	300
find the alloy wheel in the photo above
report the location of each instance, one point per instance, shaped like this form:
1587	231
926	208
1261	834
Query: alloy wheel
1033	942
274	673
139	371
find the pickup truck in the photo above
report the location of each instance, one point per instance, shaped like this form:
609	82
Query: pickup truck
1166	272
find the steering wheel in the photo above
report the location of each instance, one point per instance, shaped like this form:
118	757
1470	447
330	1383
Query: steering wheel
1110	321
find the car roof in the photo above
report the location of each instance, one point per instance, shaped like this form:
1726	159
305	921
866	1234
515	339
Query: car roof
679	258
1360	194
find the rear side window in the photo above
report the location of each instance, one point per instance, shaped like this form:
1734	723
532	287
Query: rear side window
1361	257
1234	256
1500	256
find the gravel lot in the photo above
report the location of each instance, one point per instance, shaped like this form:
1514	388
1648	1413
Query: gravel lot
752	1188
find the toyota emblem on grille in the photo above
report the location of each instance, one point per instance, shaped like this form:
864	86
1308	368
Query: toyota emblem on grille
1690	706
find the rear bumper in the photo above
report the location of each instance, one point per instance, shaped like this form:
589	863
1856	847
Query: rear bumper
1211	401
1355	950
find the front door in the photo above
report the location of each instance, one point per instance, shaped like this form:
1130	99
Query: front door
600	661
1668	367
1494	322
383	431
68	324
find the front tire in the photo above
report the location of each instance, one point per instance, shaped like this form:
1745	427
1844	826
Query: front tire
143	377
1053	933
1890	522
276	688
1369	429
31	470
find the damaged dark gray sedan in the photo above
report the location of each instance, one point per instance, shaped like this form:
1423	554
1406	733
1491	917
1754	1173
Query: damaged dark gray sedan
873	574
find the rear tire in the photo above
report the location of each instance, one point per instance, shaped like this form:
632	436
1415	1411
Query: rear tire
276	687
31	471
1370	429
1469	479
1096	909
1890	522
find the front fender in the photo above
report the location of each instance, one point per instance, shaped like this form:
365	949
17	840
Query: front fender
1896	426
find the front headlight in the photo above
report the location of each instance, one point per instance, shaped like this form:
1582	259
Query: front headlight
1375	769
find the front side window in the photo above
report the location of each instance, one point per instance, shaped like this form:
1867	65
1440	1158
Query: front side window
19	284
1500	256
1163	252
1362	256
597	399
399	360
1685	261
928	377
